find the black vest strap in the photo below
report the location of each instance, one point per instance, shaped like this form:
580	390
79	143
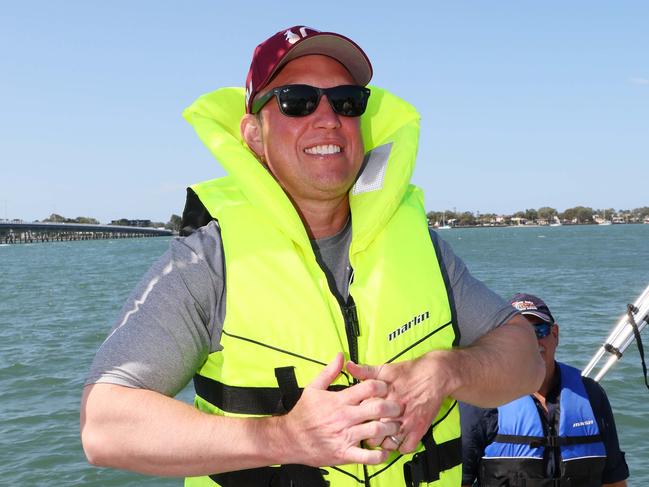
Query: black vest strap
240	400
426	465
532	472
287	382
261	400
282	476
549	441
267	401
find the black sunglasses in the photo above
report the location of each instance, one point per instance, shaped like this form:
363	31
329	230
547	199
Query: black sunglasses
302	100
542	329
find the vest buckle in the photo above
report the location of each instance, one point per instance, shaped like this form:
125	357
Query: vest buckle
424	467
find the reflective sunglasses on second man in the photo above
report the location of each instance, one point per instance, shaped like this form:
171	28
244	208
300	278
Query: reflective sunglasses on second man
542	330
302	100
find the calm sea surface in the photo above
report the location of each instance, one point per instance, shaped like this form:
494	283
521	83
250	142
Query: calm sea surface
58	301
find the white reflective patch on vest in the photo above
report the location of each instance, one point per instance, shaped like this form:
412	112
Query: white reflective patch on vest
533	457
373	173
581	458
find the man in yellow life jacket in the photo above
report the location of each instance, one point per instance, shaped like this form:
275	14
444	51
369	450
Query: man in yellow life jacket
334	348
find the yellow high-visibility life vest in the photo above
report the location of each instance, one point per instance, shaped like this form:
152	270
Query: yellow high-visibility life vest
283	324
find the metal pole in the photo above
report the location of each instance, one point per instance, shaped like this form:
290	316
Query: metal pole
621	337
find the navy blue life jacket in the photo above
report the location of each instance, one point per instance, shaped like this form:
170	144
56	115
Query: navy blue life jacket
518	455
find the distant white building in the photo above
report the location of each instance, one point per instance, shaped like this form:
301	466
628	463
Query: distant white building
518	220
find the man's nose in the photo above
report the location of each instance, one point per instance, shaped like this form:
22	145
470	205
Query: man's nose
324	116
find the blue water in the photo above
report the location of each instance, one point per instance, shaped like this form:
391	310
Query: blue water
59	301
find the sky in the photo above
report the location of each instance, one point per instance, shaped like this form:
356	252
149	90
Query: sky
523	104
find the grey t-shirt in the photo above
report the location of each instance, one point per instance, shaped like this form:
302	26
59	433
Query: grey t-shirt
173	319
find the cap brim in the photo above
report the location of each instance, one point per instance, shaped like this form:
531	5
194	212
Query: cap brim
545	317
335	46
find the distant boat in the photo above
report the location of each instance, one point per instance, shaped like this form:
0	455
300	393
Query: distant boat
557	222
605	221
444	225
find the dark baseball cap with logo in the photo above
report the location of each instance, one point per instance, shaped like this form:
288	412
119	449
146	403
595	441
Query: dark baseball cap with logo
297	41
529	304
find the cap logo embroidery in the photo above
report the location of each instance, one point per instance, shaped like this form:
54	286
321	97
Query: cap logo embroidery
524	305
292	37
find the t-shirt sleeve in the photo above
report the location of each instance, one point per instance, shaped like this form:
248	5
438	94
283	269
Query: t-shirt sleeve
170	322
616	468
478	430
478	308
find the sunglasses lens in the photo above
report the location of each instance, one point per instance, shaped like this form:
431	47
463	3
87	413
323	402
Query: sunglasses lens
542	330
298	100
302	100
348	100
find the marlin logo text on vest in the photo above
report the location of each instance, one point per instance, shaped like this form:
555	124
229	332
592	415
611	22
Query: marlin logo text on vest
582	423
404	328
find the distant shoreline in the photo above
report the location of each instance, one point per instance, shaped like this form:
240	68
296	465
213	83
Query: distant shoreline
534	225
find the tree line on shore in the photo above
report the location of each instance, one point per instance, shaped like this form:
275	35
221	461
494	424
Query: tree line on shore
543	215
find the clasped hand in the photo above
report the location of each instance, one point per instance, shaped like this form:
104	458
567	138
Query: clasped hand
392	402
328	427
418	386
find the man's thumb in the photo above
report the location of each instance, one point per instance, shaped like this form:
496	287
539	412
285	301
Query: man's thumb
329	373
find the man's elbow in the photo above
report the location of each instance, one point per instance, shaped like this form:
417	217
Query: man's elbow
94	448
95	440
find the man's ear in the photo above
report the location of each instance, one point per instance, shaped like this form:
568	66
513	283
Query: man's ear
251	134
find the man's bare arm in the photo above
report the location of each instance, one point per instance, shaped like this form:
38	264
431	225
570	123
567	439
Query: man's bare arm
147	432
502	365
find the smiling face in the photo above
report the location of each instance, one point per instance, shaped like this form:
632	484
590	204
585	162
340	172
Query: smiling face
316	157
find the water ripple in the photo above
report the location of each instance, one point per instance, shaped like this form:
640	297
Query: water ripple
62	298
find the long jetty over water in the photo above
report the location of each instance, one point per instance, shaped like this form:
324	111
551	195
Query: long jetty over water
14	233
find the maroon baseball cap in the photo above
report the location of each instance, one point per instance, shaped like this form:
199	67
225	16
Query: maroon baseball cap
297	41
529	304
